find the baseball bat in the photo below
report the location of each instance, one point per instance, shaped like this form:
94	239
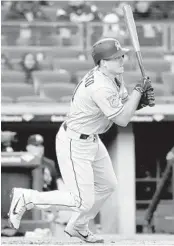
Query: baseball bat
130	23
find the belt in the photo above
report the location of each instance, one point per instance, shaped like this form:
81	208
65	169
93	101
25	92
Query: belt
82	136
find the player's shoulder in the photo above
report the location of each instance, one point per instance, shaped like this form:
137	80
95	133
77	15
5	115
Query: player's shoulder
101	81
95	80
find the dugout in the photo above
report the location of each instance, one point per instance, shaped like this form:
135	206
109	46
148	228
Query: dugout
136	151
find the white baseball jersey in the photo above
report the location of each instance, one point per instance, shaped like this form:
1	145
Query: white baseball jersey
96	100
85	164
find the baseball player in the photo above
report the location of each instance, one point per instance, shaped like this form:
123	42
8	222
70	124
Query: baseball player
99	100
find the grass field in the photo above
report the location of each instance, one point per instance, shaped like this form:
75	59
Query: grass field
138	240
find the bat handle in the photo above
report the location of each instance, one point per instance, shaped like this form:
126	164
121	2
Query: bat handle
139	58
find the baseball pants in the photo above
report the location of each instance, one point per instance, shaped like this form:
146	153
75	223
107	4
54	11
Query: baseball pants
87	172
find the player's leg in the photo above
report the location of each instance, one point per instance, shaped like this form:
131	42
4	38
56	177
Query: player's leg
82	155
77	175
105	184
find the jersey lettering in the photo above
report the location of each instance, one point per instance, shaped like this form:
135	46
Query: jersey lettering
88	81
76	89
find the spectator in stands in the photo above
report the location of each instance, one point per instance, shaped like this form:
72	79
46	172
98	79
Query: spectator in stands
113	27
45	3
142	10
29	64
25	35
5	63
50	176
35	145
79	11
26	10
161	10
43	62
7	137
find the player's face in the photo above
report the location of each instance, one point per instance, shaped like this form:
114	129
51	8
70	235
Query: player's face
115	66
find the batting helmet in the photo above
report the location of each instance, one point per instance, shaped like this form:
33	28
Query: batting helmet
107	48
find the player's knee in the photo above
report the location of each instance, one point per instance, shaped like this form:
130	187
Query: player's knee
87	204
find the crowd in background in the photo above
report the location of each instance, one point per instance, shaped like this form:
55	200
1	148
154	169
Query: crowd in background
74	12
77	11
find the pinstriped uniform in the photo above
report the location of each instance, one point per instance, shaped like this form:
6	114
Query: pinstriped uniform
85	164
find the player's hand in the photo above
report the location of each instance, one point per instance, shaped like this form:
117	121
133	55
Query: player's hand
150	95
147	99
144	85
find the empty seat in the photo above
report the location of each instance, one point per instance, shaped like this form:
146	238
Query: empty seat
16	52
50	12
148	52
73	65
66	52
6	99
16	90
164	99
132	77
56	91
159	89
12	76
51	76
168	80
81	74
65	99
156	65
34	99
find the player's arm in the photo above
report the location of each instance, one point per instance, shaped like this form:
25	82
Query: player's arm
129	108
135	101
110	103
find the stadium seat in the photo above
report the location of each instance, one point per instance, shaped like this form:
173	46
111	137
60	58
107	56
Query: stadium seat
56	91
16	90
168	79
159	89
34	99
12	76
132	77
104	6
65	52
164	99
16	52
50	12
51	76
72	65
80	74
6	99
156	65
148	52
152	53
